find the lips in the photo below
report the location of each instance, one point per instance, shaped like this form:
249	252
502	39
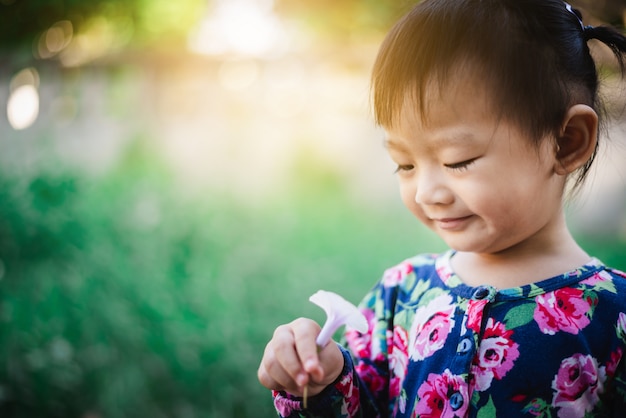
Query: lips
451	223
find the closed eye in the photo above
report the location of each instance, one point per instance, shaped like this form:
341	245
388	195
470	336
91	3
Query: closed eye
460	166
403	168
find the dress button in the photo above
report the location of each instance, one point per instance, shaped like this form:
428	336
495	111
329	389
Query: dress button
482	292
464	346
456	401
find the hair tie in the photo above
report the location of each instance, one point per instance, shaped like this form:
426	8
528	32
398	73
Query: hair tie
576	13
589	32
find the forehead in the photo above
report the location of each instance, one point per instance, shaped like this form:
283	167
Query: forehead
459	99
457	114
458	93
395	82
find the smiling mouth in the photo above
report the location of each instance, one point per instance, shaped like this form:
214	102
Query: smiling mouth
451	223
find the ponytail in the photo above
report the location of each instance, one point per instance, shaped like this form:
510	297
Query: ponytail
611	38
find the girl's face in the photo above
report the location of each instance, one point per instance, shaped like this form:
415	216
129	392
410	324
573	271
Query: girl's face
474	178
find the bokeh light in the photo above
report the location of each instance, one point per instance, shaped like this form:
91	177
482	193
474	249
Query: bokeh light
243	27
23	101
55	39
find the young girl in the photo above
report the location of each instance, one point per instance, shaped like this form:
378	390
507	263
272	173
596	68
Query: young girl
490	108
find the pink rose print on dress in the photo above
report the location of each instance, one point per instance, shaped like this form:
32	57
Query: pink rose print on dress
596	278
398	360
285	406
395	275
444	269
475	309
350	394
612	364
431	325
578	384
371	377
562	310
495	357
442	396
362	344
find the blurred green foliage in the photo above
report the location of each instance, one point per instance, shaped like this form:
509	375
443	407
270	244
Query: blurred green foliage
168	22
120	297
148	21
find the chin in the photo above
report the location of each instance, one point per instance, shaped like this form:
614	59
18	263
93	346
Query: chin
458	245
466	246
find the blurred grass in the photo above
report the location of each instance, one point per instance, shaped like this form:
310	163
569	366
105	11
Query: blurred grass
120	296
123	297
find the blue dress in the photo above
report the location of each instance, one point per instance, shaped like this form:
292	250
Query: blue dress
439	348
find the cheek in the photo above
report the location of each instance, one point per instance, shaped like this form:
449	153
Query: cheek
486	196
509	210
407	193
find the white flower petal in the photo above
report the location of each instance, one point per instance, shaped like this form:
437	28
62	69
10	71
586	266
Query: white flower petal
338	312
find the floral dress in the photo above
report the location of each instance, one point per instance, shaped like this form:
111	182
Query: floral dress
439	348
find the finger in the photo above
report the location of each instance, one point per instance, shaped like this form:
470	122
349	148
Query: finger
267	380
305	333
271	373
284	381
287	369
331	366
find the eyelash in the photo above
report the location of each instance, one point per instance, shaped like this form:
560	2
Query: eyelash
460	166
403	167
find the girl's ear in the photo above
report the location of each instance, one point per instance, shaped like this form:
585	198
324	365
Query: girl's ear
578	139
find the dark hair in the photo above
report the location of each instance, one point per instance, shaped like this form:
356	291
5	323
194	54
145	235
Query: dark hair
533	55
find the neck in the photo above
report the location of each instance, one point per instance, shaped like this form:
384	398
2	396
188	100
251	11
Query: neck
550	252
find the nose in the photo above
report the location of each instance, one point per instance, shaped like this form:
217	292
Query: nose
431	187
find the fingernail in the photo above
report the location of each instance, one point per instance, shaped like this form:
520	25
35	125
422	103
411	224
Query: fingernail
301	379
310	365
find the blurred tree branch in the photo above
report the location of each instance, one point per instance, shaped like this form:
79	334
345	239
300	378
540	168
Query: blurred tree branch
23	21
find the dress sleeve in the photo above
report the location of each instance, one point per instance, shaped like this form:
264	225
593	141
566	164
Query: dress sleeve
346	397
362	389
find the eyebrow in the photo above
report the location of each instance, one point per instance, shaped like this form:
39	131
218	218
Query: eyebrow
441	141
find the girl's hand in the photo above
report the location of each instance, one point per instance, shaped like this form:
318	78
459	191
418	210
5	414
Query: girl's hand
291	360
